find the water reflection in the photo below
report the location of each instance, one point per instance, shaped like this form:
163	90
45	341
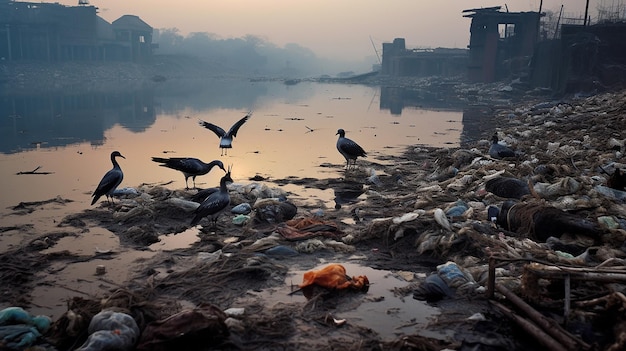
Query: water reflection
477	124
347	192
292	133
395	99
56	119
60	119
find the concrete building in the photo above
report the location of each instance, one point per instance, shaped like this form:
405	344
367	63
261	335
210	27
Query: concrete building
54	32
501	43
400	61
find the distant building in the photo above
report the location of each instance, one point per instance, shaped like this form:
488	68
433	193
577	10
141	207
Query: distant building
584	58
400	61
507	45
501	43
54	32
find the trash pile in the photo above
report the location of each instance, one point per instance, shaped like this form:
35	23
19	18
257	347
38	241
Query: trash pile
546	225
538	234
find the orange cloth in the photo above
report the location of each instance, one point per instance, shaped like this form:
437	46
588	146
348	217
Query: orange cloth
334	276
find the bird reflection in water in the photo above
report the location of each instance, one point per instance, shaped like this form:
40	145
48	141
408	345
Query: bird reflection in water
347	192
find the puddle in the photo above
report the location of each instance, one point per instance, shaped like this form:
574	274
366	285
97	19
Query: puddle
55	289
176	241
97	240
309	196
380	310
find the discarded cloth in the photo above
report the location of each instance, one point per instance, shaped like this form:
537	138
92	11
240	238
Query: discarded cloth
19	330
306	228
334	276
539	222
185	330
446	282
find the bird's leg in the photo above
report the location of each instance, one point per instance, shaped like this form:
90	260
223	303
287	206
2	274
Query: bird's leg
349	168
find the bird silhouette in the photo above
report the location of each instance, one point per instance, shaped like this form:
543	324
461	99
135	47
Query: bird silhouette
110	181
215	203
508	187
348	148
497	150
189	166
226	139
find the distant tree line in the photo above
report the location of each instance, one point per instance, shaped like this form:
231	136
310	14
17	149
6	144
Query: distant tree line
249	54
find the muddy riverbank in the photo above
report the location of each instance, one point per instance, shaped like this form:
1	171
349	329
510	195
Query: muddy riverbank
405	216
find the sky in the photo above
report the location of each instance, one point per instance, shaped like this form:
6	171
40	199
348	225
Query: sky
334	29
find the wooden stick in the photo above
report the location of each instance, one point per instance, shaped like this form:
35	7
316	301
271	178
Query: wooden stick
550	326
34	171
491	278
578	273
543	338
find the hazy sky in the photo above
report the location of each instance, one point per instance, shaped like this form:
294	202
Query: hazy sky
338	29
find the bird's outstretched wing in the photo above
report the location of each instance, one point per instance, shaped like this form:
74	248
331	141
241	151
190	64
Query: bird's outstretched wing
216	129
233	130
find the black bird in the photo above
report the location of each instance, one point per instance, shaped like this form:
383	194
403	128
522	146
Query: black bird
214	204
348	148
511	188
226	139
110	181
190	167
617	180
497	150
202	194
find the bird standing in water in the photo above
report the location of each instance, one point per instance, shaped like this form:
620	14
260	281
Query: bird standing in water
190	167
110	181
348	148
214	204
497	150
226	139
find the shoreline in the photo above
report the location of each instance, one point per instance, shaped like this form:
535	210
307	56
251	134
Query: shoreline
563	144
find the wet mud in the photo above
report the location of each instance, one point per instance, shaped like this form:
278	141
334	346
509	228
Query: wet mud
408	215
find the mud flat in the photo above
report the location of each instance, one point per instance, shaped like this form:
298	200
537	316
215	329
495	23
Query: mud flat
418	225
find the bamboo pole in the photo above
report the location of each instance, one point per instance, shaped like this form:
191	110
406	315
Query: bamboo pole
543	338
578	273
554	329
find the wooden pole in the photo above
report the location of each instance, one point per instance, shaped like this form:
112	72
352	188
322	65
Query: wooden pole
564	338
543	338
539	21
